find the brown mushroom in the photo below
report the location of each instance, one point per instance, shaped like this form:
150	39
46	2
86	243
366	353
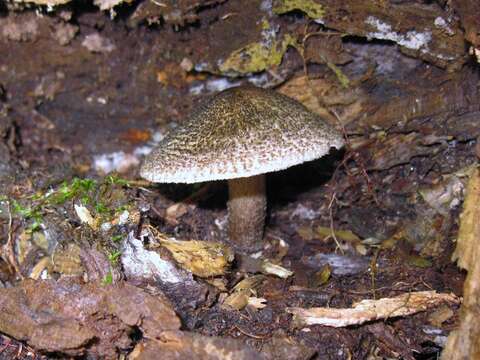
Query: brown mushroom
239	135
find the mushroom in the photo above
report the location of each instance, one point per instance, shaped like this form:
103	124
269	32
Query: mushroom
239	135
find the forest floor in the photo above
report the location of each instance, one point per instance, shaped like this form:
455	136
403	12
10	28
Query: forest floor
85	94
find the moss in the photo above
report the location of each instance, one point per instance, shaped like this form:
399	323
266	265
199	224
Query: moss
101	208
309	7
115	180
258	56
108	279
117	238
105	198
30	213
77	188
342	78
114	256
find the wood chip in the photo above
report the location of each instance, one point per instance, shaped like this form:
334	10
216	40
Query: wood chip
369	310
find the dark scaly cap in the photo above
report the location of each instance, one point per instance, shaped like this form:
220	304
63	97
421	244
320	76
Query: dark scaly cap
240	132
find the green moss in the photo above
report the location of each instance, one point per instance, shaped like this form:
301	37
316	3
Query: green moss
108	279
114	256
77	188
309	7
342	78
117	238
418	261
105	199
115	180
26	212
258	56
101	208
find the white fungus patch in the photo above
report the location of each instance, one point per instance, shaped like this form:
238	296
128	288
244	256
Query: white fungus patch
220	84
213	86
98	44
118	161
142	150
121	161
123	218
259	80
139	262
340	264
221	222
266	5
411	40
304	213
441	23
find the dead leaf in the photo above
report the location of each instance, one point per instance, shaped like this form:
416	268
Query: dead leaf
202	258
176	211
439	316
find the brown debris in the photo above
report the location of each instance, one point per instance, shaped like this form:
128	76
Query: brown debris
65	33
322	48
400	149
469	11
183	345
388	337
24	28
281	346
242	292
176	13
75	319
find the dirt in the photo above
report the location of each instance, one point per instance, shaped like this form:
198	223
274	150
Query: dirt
84	92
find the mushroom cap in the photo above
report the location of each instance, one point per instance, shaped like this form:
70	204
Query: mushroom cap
240	132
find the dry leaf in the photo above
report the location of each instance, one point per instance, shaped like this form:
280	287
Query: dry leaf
242	292
85	217
270	268
202	258
257	303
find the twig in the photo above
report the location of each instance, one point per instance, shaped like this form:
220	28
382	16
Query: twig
20	350
10	246
356	157
332	229
259	337
373	265
8	343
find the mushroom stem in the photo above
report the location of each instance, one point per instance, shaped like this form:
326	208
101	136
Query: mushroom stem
247	206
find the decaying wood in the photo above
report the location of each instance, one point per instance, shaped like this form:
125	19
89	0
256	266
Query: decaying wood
369	310
464	343
424	31
469	11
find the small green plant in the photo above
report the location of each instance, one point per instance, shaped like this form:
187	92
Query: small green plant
80	188
117	238
108	279
101	208
114	256
115	180
28	213
95	194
